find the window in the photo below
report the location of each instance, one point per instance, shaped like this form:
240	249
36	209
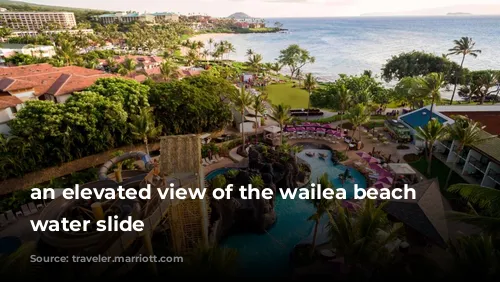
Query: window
13	109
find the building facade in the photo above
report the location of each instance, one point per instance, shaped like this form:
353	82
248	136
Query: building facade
123	17
37	20
165	17
40	51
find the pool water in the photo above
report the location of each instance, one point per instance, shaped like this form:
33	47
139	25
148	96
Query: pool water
267	255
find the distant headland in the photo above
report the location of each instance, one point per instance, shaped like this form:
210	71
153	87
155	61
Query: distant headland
459	14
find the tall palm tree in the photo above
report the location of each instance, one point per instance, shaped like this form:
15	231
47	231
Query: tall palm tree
259	107
321	207
128	66
430	86
143	126
210	43
361	237
310	84
281	114
485	198
250	52
430	133
241	102
465	132
358	115
475	256
66	50
206	55
255	63
464	46
169	70
344	101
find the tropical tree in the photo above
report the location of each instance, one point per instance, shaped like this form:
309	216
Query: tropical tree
169	70
128	66
259	107
358	115
281	114
250	53
66	50
143	126
361	236
255	63
466	133
475	256
344	101
321	206
241	102
310	84
430	86
464	46
295	58
486	199
433	131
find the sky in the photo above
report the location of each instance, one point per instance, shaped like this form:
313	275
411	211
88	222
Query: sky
290	8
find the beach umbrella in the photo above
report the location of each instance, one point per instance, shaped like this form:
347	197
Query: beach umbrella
386	179
300	128
310	128
371	160
290	129
338	134
364	155
380	185
327	126
320	129
306	123
350	205
315	124
376	167
330	132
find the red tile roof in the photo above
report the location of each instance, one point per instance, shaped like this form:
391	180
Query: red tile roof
488	119
9	101
47	79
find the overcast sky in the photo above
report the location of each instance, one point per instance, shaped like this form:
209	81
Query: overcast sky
289	8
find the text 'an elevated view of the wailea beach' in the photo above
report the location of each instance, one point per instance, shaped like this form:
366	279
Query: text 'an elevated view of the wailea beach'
371	95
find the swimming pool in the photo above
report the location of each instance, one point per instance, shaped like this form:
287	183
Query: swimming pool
267	255
211	175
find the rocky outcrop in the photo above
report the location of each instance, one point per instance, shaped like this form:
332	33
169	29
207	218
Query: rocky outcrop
276	169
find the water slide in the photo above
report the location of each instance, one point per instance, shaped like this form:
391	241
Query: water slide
151	212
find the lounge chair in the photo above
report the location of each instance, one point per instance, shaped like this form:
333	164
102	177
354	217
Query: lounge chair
219	158
209	161
32	207
204	162
10	216
26	211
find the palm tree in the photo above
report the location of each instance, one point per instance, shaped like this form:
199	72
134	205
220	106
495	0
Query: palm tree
241	102
66	50
259	107
431	132
464	46
310	84
321	206
299	76
127	66
344	101
143	126
358	115
255	63
169	69
206	54
465	132
361	237
250	52
475	256
281	114
210	43
488	201
430	86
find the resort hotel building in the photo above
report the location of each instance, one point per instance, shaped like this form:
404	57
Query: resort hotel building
36	20
478	164
123	17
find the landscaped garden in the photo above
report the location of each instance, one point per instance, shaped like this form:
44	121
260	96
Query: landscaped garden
295	97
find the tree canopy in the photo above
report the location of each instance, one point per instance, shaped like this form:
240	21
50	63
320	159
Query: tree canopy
415	63
295	58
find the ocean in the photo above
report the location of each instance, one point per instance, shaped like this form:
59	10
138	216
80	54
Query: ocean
351	45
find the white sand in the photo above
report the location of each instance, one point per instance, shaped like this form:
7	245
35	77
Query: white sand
206	36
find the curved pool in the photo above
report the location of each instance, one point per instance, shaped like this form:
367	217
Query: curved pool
267	255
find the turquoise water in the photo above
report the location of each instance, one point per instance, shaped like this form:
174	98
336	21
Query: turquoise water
268	254
420	118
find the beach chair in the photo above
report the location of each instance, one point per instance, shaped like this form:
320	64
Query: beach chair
26	211
3	220
209	161
203	162
19	214
219	158
32	207
10	216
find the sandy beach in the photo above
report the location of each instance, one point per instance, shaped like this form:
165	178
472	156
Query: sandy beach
206	36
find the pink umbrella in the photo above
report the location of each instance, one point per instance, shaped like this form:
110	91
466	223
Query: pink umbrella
320	129
300	128
290	129
331	132
371	160
350	205
315	124
363	155
380	185
310	128
386	179
306	123
327	126
376	167
384	173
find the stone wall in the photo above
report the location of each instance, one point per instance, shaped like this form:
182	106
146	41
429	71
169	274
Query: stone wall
33	178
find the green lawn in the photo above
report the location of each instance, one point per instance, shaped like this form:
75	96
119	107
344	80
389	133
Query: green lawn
438	170
285	93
